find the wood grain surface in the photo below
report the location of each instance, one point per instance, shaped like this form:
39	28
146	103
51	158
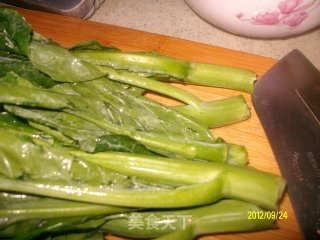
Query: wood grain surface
68	31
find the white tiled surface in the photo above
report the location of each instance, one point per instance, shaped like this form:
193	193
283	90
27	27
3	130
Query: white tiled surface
175	18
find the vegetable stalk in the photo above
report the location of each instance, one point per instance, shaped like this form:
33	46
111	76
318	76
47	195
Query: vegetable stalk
149	84
212	113
260	188
224	216
183	196
167	68
215	152
21	207
218	113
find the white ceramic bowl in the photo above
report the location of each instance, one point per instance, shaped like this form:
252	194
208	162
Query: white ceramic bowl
260	18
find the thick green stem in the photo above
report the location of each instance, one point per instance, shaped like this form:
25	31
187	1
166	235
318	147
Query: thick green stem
152	85
18	207
224	216
169	68
212	114
260	188
215	152
183	196
221	76
219	112
145	62
155	169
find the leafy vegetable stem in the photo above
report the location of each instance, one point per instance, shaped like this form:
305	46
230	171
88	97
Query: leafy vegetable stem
219	112
25	207
183	196
227	215
198	150
263	189
149	84
167	68
212	113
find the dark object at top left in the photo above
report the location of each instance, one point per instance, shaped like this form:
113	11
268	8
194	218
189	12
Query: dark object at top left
75	8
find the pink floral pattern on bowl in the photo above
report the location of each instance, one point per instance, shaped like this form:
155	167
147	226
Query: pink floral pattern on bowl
288	12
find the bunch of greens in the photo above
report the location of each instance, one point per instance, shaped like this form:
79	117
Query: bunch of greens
83	152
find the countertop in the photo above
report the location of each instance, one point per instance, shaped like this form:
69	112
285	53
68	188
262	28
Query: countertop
175	18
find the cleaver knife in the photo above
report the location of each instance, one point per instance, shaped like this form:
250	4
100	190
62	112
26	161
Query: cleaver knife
287	101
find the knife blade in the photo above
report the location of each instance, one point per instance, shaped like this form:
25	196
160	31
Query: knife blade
287	101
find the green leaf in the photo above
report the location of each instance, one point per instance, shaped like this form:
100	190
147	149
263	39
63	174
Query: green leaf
59	136
60	64
139	114
13	56
30	96
10	122
84	133
109	109
23	159
26	70
13	124
15	32
121	143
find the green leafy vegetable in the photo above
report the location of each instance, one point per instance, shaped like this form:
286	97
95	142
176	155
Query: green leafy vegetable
155	126
24	168
83	152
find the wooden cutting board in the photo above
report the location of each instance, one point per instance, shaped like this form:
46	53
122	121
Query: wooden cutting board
68	31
